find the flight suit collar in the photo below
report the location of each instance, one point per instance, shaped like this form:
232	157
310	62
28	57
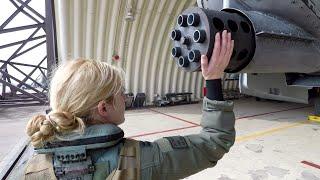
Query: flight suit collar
93	137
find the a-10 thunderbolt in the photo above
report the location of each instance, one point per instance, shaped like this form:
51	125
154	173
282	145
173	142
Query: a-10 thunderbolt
277	49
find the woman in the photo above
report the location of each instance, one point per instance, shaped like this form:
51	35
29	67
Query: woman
86	97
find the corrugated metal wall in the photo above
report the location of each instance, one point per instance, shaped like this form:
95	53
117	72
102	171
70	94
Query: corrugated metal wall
98	29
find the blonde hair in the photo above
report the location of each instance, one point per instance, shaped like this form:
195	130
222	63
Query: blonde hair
75	89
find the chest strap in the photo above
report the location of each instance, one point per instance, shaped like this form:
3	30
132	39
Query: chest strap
129	162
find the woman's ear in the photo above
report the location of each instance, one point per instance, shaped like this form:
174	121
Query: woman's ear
102	109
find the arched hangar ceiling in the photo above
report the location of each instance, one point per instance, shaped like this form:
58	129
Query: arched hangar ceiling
136	31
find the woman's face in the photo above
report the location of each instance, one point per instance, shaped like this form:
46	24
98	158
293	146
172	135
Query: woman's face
116	112
113	112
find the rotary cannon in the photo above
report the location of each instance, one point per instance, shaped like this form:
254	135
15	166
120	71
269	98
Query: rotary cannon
263	43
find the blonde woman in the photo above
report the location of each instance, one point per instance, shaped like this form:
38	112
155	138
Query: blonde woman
80	139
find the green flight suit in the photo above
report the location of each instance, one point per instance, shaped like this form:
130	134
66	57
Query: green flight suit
173	157
182	156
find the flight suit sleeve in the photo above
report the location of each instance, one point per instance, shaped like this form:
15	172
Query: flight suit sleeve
177	157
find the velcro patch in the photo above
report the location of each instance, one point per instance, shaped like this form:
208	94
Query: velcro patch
177	142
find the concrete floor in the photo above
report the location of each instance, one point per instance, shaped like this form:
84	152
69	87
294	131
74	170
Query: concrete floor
274	139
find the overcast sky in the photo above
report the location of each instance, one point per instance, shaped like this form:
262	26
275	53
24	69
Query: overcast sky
32	57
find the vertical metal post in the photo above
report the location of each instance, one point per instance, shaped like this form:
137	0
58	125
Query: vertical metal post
3	86
50	28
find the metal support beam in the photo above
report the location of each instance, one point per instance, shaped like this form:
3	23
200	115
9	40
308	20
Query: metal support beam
50	26
15	79
22	41
21	28
24	12
23	91
12	16
27	50
17	96
25	4
23	64
30	74
17	50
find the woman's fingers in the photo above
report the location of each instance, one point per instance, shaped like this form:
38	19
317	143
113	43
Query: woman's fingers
224	43
216	49
228	46
220	58
229	50
204	62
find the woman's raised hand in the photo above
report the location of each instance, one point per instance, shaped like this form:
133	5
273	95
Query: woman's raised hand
223	47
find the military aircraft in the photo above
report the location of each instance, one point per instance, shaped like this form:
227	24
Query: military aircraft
276	54
277	49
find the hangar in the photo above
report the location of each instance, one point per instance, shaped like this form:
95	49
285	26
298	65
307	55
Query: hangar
272	78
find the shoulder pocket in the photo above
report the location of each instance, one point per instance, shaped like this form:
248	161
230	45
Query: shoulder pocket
40	167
